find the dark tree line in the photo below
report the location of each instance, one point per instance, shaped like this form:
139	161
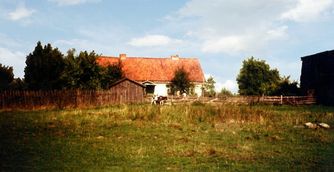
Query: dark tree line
6	76
48	69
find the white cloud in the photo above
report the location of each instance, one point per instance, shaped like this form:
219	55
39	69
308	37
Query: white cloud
13	58
308	10
225	44
228	84
20	12
72	2
277	33
234	26
153	40
245	26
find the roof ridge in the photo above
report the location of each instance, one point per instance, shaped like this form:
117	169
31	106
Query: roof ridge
148	57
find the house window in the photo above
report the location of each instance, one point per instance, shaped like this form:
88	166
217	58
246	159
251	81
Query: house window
150	89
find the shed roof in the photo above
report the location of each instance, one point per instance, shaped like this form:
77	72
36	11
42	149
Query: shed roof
325	54
155	69
127	79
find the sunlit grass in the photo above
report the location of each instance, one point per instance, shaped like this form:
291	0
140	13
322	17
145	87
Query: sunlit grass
187	137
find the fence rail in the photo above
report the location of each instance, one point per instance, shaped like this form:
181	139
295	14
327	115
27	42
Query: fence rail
287	100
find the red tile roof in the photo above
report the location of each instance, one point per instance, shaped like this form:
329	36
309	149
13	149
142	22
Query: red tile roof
155	69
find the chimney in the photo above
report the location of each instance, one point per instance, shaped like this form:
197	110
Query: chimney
122	56
175	57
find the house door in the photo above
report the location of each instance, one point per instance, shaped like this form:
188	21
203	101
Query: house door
149	87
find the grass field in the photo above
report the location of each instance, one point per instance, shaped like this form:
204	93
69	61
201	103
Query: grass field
185	137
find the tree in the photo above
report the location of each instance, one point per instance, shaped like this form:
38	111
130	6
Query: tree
72	71
81	71
17	84
256	78
287	87
6	76
44	67
209	87
111	74
181	82
225	93
89	72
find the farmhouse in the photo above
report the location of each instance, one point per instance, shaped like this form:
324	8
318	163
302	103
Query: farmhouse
318	76
156	73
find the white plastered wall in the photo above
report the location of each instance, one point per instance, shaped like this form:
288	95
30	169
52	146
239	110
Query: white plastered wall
160	90
198	90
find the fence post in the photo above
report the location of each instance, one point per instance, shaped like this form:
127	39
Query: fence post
281	99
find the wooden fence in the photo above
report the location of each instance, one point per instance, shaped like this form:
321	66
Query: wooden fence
279	100
291	100
63	99
88	98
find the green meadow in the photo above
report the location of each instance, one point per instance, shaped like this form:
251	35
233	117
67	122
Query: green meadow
184	137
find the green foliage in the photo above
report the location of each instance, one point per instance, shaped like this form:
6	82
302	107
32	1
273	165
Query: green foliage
17	84
256	78
72	71
82	71
209	87
111	74
6	76
44	67
287	87
225	92
181	82
89	71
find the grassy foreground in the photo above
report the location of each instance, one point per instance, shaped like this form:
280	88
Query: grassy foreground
193	137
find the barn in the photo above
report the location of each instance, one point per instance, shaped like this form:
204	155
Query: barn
127	91
156	73
317	76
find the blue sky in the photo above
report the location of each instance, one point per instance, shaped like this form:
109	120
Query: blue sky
221	33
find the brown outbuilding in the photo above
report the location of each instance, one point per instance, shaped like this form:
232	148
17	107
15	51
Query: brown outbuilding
127	91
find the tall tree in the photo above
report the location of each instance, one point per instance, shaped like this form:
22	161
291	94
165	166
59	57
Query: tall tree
181	81
6	76
111	74
256	78
82	71
90	71
44	67
72	71
209	87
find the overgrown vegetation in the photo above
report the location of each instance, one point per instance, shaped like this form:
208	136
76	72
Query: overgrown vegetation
209	87
6	76
181	82
257	78
196	137
48	69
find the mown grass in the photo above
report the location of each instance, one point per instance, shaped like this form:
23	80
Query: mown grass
194	137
